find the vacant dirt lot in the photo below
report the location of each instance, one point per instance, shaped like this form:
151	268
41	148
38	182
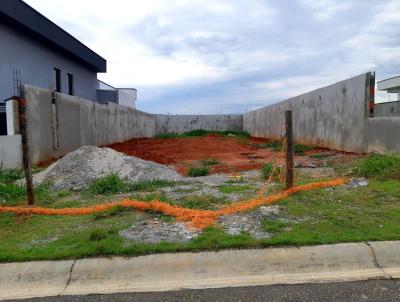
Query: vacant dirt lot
232	153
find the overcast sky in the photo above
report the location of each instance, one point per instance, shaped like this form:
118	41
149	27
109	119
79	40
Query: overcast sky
207	56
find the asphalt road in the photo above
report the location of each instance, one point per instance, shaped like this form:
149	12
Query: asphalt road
372	290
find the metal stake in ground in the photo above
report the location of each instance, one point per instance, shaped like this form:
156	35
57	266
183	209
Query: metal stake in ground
289	149
25	150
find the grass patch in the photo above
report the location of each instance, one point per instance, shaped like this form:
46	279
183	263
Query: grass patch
299	149
110	184
319	155
383	166
9	176
12	194
151	197
201	202
341	215
151	185
98	234
198	171
231	188
314	217
115	211
273	225
209	161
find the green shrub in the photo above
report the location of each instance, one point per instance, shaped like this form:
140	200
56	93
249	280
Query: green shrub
198	171
385	166
111	184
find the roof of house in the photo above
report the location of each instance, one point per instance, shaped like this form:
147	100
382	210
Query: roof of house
24	18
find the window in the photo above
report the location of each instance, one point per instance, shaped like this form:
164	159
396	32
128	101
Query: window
70	84
57	74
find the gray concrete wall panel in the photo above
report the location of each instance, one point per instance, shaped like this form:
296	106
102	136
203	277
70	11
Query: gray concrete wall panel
387	109
183	123
333	116
79	122
383	134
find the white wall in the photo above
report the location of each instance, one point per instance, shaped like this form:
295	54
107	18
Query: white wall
10	152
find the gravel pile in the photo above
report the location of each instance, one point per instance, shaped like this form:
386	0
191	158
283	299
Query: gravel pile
78	169
157	231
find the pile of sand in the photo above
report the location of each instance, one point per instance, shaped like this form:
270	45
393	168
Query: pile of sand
78	169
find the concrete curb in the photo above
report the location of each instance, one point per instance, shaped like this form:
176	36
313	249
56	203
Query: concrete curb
229	268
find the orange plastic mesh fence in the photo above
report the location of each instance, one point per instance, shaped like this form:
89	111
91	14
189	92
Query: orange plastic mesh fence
195	218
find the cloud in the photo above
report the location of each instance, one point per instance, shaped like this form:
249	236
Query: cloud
201	56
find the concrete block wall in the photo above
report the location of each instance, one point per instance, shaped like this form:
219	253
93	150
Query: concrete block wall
10	152
183	123
334	116
56	129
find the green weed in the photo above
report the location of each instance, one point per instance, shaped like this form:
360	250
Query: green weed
209	161
150	185
110	184
384	166
198	171
9	176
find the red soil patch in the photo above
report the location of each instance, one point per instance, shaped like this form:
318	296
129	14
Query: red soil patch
234	155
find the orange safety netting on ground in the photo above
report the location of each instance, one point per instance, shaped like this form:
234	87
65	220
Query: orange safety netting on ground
195	218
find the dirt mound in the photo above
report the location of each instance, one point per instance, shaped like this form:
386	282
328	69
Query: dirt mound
78	169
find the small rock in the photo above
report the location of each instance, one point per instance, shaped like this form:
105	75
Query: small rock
358	182
270	210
